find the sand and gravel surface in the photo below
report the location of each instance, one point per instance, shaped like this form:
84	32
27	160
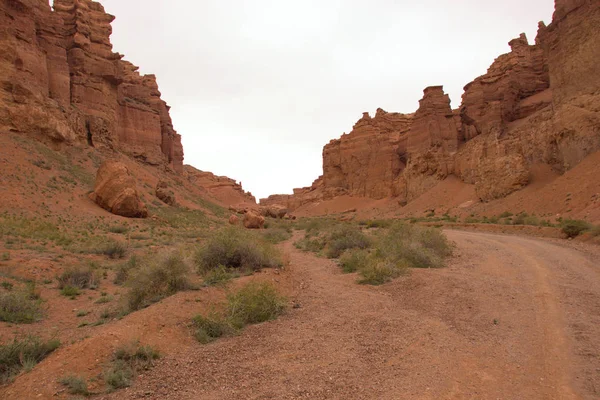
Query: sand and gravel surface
510	318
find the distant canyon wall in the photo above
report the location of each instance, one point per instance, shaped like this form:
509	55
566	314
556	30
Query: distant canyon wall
540	103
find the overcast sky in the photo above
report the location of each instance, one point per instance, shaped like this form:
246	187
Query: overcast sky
258	87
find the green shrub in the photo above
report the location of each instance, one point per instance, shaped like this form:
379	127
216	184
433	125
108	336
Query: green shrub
70	291
207	329
156	279
218	276
78	277
19	354
233	247
595	230
118	229
123	270
574	227
353	260
118	376
519	219
346	237
254	303
75	385
5	256
114	250
277	235
127	361
505	214
19	307
378	272
414	246
314	244
7	285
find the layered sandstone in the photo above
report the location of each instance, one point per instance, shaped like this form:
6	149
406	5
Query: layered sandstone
538	104
61	81
222	188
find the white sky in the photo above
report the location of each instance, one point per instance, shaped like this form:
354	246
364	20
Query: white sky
258	87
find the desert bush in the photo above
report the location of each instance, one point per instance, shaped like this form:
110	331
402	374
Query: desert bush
70	291
353	260
218	276
78	277
277	235
254	303
156	279
595	230
75	385
23	354
114	249
505	214
312	244
574	227
126	362
378	272
207	329
118	376
20	307
414	246
118	229
123	270
234	247
346	237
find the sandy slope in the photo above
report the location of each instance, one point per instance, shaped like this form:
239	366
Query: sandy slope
510	318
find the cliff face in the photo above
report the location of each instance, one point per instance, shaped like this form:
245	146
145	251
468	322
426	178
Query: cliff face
537	104
60	81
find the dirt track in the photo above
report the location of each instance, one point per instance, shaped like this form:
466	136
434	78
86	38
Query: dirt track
510	318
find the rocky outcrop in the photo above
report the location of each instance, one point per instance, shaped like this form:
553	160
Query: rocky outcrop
60	81
538	104
224	189
253	220
115	191
164	194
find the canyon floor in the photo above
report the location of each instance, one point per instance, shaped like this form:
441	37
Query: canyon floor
510	318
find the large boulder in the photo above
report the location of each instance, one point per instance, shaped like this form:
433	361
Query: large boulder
164	194
253	220
115	191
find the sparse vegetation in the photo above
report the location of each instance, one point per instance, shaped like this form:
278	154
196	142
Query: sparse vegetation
127	361
78	277
378	272
20	307
233	247
574	227
353	260
207	329
70	291
333	240
252	304
118	229
23	354
75	385
155	279
219	276
414	246
277	235
114	249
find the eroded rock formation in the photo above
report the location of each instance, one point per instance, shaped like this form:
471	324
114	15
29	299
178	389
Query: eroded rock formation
538	104
115	191
61	81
